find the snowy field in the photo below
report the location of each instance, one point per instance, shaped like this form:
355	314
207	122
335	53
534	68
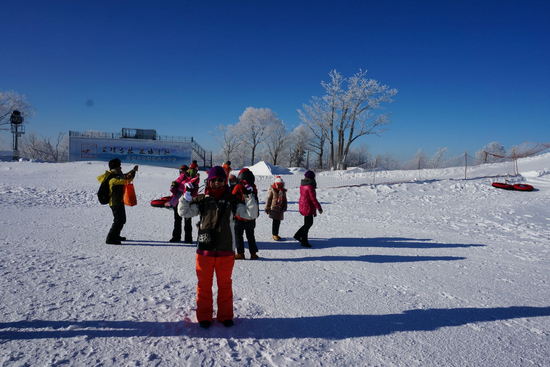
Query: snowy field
434	270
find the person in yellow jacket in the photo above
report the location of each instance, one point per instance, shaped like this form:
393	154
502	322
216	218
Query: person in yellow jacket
117	180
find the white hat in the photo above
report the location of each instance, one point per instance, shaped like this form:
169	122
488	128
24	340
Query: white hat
279	180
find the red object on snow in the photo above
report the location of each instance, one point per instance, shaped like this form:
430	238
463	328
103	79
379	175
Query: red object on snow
519	187
504	186
523	187
162	202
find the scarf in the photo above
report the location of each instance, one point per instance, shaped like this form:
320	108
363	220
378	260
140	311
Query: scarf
280	197
216	193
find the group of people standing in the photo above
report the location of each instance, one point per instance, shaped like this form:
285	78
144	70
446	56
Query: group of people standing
275	207
224	208
225	205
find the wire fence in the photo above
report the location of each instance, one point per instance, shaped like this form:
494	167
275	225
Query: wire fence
360	177
459	167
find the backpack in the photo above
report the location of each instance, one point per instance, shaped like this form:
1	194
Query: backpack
103	194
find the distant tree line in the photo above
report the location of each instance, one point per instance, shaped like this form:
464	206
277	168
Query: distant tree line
45	148
330	125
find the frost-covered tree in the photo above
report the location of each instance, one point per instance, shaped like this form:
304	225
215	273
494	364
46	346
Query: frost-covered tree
420	160
253	128
437	158
300	139
385	162
358	156
10	101
228	140
494	152
277	140
346	112
43	148
315	116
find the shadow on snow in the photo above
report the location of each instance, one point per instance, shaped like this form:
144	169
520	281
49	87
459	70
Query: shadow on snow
382	242
324	327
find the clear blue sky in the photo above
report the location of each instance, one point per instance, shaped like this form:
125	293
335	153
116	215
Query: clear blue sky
468	72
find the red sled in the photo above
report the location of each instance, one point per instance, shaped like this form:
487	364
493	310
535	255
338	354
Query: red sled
504	186
523	187
519	187
162	202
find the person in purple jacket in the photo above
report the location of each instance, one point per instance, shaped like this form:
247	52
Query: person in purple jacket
308	207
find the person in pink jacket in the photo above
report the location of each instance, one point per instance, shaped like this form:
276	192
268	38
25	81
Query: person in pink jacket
187	181
308	207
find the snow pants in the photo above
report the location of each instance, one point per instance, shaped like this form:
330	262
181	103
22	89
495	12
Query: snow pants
242	227
119	220
206	267
176	233
275	227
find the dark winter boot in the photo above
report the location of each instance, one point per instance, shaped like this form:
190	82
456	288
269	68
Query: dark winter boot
205	324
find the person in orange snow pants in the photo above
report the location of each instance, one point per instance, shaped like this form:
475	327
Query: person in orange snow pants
215	243
206	267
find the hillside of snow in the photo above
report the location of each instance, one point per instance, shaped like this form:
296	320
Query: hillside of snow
408	268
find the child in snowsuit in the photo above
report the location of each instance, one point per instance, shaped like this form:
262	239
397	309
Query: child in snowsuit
117	180
243	225
276	205
216	209
308	207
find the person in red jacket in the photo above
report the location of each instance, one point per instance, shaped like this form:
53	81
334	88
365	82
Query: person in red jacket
308	207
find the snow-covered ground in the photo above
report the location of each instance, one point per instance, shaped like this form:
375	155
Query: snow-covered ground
434	270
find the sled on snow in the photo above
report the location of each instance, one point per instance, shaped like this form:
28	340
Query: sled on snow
523	187
162	202
519	187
